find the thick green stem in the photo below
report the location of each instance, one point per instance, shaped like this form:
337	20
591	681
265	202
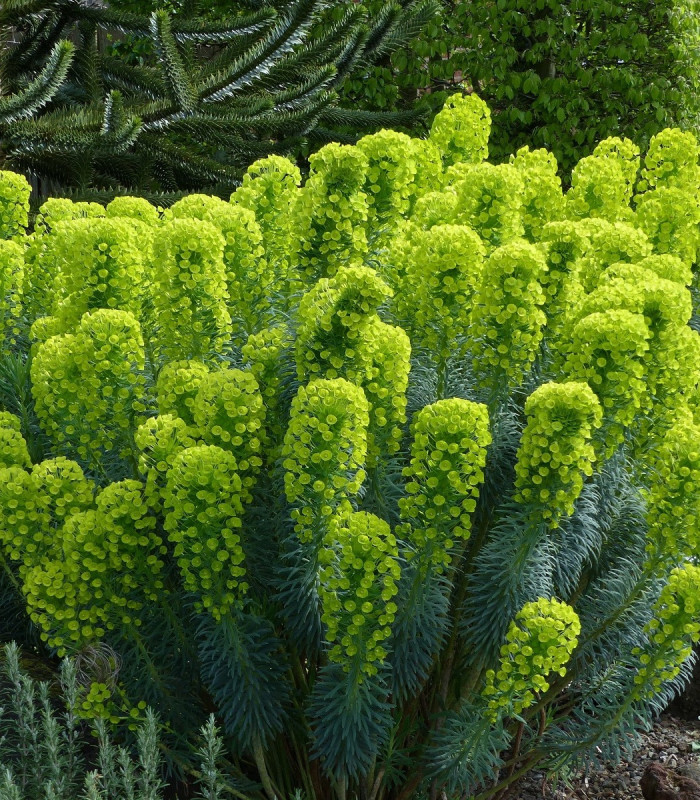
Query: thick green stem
259	756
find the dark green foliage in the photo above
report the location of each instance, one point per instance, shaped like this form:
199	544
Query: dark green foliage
207	98
556	74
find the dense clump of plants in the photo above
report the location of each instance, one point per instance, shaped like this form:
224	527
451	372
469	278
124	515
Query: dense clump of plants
396	472
46	752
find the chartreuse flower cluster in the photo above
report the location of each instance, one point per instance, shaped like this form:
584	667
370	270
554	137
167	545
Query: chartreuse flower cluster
332	318
433	208
434	299
332	212
35	504
13	448
671	161
14	204
270	189
103	567
672	631
64	488
669	218
202	498
133	208
542	199
229	413
11	287
159	440
87	386
389	178
666	307
263	355
358	577
461	130
191	317
609	243
339	334
427	160
599	189
59	209
490	201
324	452
673	498
556	453
539	643
668	267
99	264
507	319
607	352
177	386
626	153
25	531
388	351
249	281
564	245
448	455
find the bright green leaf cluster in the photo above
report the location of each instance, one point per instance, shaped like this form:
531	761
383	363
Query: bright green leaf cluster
489	199
434	299
203	502
333	212
88	385
672	631
359	572
191	317
229	413
539	642
448	455
14	204
461	130
324	453
556	453
507	319
607	352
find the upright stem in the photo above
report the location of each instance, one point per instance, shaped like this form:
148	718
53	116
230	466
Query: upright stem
259	756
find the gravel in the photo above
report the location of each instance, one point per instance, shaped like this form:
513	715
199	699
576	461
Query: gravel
673	742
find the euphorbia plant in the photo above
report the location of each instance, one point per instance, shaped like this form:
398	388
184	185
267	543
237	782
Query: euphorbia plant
396	471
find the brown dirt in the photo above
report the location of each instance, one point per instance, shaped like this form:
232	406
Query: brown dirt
674	743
